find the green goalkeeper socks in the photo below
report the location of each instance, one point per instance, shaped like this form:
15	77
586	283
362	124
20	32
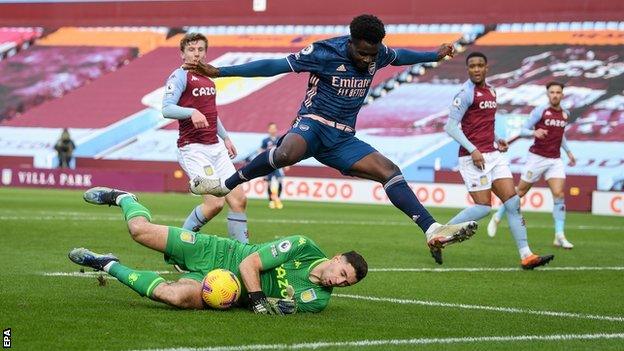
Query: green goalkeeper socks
131	208
143	282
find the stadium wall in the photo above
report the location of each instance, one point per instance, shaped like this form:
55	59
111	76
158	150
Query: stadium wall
240	12
166	176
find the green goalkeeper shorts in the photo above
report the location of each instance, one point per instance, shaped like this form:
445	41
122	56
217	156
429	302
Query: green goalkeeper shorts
201	253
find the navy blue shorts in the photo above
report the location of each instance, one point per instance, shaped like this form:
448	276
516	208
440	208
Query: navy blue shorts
330	146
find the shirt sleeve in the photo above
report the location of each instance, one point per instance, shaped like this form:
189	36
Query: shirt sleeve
459	106
174	87
386	56
534	117
309	59
277	252
410	57
461	103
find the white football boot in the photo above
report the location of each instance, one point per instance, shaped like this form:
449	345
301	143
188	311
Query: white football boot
202	186
562	242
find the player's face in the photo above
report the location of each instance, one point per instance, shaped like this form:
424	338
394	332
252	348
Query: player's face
194	52
362	53
272	130
477	69
555	94
338	273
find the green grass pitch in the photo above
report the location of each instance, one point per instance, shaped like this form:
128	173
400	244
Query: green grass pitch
492	307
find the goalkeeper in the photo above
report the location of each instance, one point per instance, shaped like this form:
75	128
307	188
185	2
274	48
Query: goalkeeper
280	277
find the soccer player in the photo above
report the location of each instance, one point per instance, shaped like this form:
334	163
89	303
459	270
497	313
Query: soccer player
191	99
283	276
547	125
482	166
341	72
274	179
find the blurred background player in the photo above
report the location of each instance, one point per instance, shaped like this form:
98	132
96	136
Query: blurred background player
341	72
268	271
481	164
191	99
547	124
65	149
274	179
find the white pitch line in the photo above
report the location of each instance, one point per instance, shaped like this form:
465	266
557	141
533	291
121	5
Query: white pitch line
397	342
492	269
84	216
89	274
484	308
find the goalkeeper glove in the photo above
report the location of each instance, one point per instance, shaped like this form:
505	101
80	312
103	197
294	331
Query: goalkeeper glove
261	305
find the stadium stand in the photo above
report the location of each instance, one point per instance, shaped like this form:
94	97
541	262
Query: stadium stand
145	39
59	70
13	40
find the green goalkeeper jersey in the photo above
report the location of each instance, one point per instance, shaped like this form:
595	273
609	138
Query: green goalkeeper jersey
288	261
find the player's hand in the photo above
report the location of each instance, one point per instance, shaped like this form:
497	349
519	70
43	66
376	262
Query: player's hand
287	305
478	160
503	146
230	148
540	133
572	159
202	68
199	120
446	50
261	305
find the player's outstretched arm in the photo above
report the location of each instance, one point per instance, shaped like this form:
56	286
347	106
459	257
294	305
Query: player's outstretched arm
260	68
410	57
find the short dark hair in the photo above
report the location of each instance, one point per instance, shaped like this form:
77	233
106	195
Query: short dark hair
476	54
189	37
368	28
550	84
358	262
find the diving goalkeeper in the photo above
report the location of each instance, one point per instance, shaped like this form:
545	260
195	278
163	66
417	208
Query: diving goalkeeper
266	270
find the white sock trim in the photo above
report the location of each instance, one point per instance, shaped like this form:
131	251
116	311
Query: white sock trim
108	266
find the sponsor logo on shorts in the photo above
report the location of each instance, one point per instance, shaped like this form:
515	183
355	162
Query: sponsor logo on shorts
308	296
284	246
304	127
529	174
188	237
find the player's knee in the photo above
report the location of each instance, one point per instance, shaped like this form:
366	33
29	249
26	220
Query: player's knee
138	226
558	195
513	203
215	204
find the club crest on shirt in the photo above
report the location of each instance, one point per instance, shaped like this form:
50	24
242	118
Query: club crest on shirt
307	50
308	296
372	67
188	237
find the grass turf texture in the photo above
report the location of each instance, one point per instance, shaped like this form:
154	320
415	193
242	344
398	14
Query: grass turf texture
39	227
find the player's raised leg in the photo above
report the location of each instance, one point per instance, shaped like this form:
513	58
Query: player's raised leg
504	189
557	186
291	150
377	167
136	215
